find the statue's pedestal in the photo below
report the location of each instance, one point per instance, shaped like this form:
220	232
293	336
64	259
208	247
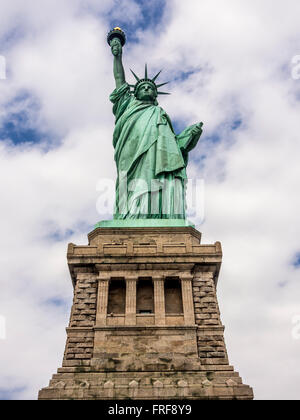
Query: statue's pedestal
145	322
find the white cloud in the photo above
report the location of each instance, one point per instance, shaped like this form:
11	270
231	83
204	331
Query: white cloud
254	209
241	54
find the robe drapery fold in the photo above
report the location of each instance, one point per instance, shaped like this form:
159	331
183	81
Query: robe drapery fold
151	160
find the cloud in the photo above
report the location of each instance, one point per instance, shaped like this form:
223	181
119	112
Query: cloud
230	67
251	175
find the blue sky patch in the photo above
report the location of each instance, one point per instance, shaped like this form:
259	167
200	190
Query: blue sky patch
15	129
151	15
21	124
214	138
11	394
178	126
223	131
296	260
59	236
184	75
57	302
19	121
236	124
11	37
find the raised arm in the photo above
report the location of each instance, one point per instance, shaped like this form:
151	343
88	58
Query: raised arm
119	73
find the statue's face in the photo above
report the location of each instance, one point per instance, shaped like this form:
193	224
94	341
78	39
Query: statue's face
146	92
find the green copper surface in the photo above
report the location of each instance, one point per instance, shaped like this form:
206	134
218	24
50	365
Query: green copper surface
143	223
151	158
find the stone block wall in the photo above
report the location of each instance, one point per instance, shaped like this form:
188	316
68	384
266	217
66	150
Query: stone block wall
83	312
80	337
79	347
210	332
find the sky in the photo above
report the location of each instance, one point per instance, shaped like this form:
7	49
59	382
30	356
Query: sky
231	65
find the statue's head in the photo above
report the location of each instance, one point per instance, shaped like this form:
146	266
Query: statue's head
146	89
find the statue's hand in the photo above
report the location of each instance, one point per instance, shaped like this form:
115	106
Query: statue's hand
189	138
197	129
116	47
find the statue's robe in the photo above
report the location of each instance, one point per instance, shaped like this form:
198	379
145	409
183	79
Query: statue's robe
151	160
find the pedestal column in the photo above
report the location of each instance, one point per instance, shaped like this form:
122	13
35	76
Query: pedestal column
187	300
102	299
159	300
130	310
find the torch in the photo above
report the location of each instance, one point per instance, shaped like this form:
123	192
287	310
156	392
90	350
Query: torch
116	33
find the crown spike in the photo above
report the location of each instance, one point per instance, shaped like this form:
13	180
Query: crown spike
163	93
162	84
155	77
146	72
136	78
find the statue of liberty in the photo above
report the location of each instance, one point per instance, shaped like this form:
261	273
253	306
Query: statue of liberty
151	159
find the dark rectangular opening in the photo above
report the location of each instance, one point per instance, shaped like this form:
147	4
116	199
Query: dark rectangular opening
173	296
145	297
116	297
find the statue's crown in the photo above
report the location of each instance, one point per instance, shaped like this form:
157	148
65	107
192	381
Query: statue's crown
145	79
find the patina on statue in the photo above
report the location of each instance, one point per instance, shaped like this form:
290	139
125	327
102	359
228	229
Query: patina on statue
151	159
